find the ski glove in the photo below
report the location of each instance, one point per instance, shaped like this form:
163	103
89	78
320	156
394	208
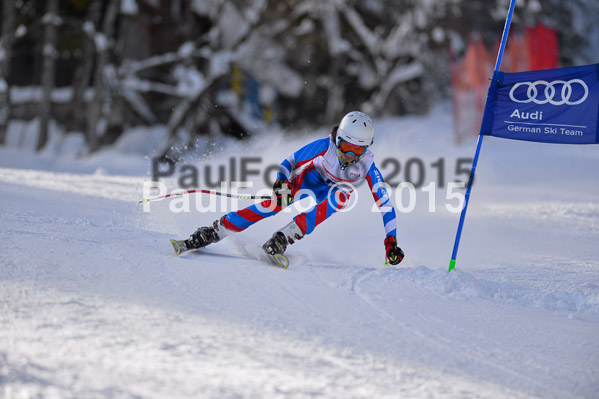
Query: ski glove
394	253
282	191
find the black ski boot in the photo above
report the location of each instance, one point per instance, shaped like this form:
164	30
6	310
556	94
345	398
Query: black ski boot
276	245
203	237
281	239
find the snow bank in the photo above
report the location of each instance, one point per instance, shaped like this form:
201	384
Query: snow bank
465	286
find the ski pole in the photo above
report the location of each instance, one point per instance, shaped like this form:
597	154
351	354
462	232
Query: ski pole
212	192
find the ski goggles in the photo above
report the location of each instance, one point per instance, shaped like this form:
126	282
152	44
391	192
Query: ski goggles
350	149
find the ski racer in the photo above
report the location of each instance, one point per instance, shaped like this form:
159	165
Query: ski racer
325	169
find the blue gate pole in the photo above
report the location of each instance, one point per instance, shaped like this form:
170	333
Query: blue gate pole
506	30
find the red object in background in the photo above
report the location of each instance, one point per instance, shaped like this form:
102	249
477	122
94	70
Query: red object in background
543	47
536	49
470	81
517	54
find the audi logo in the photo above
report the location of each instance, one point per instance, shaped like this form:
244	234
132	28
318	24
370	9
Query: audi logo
550	91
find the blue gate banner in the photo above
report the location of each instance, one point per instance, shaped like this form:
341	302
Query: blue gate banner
549	106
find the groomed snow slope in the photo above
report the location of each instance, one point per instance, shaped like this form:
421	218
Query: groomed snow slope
94	303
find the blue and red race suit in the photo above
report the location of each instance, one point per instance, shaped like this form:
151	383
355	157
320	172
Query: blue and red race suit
315	170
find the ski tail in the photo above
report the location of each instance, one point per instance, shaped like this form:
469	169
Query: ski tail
282	260
279	260
178	246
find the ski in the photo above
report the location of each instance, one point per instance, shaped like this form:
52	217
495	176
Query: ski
178	246
277	260
282	260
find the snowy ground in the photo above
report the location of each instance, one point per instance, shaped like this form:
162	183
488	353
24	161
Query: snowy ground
94	304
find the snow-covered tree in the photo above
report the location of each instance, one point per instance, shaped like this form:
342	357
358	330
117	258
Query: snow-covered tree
99	108
50	20
179	62
6	43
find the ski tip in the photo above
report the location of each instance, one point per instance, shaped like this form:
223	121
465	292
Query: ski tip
176	246
282	260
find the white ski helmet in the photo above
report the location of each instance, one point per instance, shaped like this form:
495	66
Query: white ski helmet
356	128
